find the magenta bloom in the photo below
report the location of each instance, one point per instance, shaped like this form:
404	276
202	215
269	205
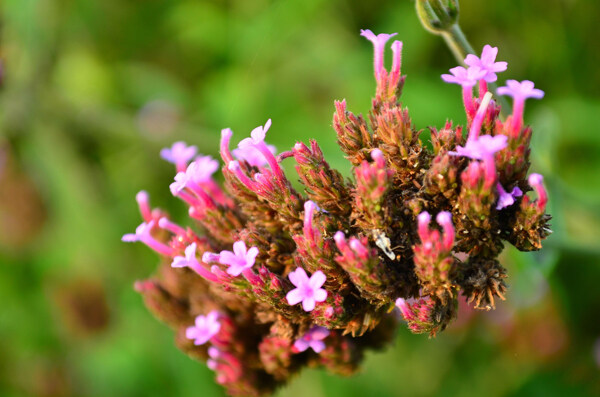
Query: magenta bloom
198	172
464	77
240	259
189	260
179	154
520	90
379	49
142	232
143	235
404	307
308	290
487	62
313	339
482	147
251	155
206	327
257	136
507	199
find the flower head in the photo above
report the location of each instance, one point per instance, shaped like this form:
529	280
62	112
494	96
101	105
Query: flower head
313	339
487	62
520	90
179	154
465	77
240	259
506	199
205	328
308	290
481	148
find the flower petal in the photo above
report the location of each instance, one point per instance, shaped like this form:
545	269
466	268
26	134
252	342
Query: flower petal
294	297
317	279
308	304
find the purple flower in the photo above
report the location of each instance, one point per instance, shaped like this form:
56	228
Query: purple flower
423	220
257	141
465	77
214	355
404	307
189	260
251	155
482	147
520	90
313	339
240	259
487	62
179	154
378	47
206	327
143	200
198	172
141	232
143	235
257	136
308	290
507	199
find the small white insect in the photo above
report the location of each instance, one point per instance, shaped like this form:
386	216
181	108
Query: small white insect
384	243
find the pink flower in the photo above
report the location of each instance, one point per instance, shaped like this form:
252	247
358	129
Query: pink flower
507	199
257	136
464	77
179	154
143	200
423	220
308	290
142	234
487	62
444	219
313	339
481	148
523	90
536	181
240	259
404	307
198	172
190	261
379	49
257	141
206	327
252	156
520	92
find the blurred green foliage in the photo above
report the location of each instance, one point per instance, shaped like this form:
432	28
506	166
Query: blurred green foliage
90	92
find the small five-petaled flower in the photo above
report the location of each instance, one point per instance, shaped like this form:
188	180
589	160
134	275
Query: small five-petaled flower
308	290
205	328
313	339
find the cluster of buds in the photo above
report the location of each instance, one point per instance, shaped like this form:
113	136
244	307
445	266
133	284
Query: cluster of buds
272	279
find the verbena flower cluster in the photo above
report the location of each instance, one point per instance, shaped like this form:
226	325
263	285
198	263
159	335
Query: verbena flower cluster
271	279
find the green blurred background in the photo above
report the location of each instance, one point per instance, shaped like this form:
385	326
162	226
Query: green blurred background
91	90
